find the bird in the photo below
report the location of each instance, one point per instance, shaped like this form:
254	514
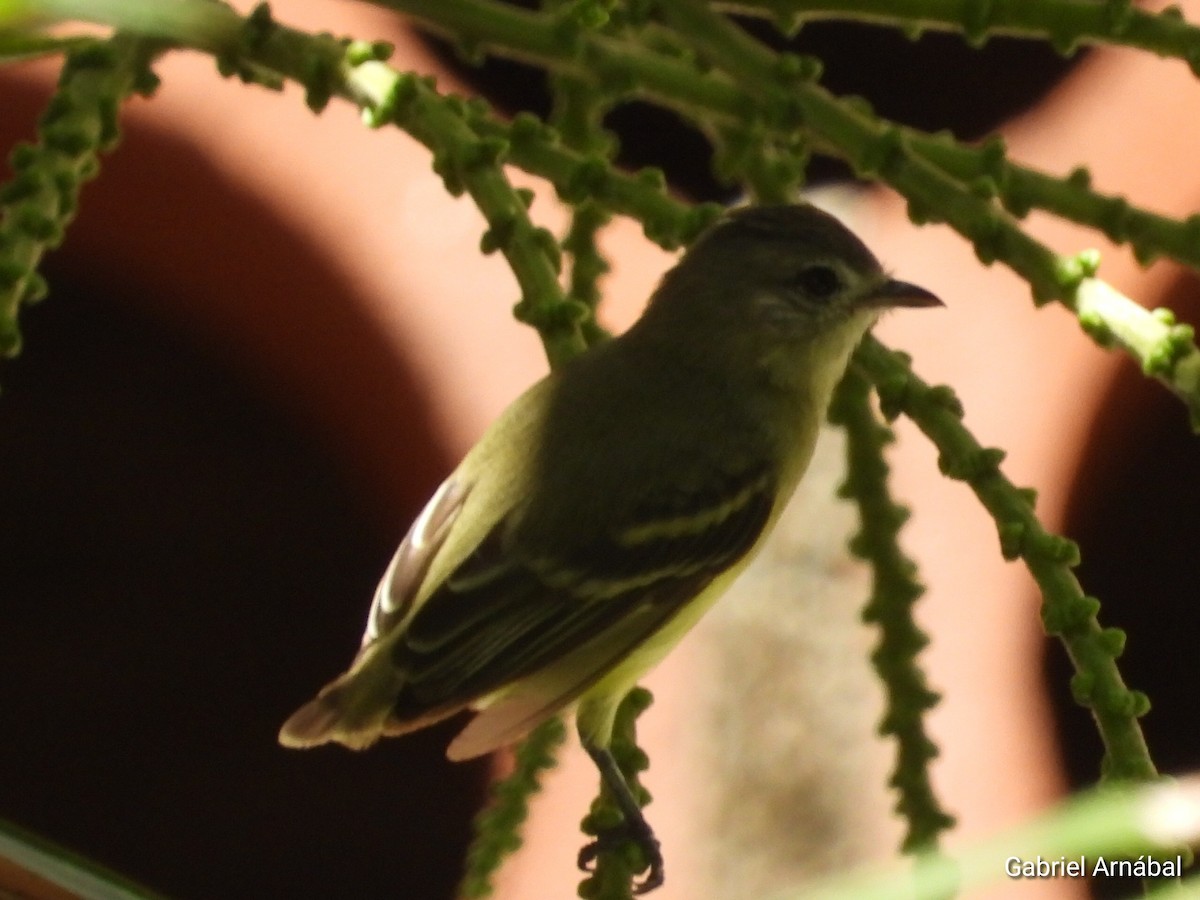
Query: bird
613	502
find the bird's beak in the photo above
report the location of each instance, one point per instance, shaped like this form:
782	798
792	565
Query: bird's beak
901	293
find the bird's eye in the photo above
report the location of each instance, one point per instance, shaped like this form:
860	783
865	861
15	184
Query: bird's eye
819	282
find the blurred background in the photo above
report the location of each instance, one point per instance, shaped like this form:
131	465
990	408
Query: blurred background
269	336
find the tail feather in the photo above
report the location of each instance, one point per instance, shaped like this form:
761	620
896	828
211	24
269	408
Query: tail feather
327	718
309	726
354	711
501	724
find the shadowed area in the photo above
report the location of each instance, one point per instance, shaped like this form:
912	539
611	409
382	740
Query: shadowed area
206	457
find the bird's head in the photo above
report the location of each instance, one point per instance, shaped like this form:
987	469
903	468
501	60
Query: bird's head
781	276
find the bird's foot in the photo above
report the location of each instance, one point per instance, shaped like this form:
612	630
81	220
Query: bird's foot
638	832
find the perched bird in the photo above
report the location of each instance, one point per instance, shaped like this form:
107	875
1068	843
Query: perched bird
608	507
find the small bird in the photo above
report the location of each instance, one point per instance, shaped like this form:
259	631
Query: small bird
612	503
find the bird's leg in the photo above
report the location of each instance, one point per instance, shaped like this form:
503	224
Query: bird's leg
634	826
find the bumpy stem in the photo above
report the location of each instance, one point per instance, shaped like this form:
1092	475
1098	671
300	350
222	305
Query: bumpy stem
1067	612
894	593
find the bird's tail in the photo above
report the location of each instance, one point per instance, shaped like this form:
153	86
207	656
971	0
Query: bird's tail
356	709
343	712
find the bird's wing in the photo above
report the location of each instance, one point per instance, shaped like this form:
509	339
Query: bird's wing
522	634
402	580
482	491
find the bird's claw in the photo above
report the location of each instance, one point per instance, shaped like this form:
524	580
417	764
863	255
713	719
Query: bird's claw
639	833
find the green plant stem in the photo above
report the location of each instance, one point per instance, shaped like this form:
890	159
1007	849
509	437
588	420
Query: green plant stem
612	63
987	171
577	114
468	161
1065	24
879	148
1066	612
873	146
202	24
1020	188
498	827
464	159
15	45
588	265
1165	348
922	167
328	67
894	593
534	147
939	179
676	83
79	124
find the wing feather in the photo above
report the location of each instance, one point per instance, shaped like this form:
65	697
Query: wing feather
475	636
410	564
355	708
